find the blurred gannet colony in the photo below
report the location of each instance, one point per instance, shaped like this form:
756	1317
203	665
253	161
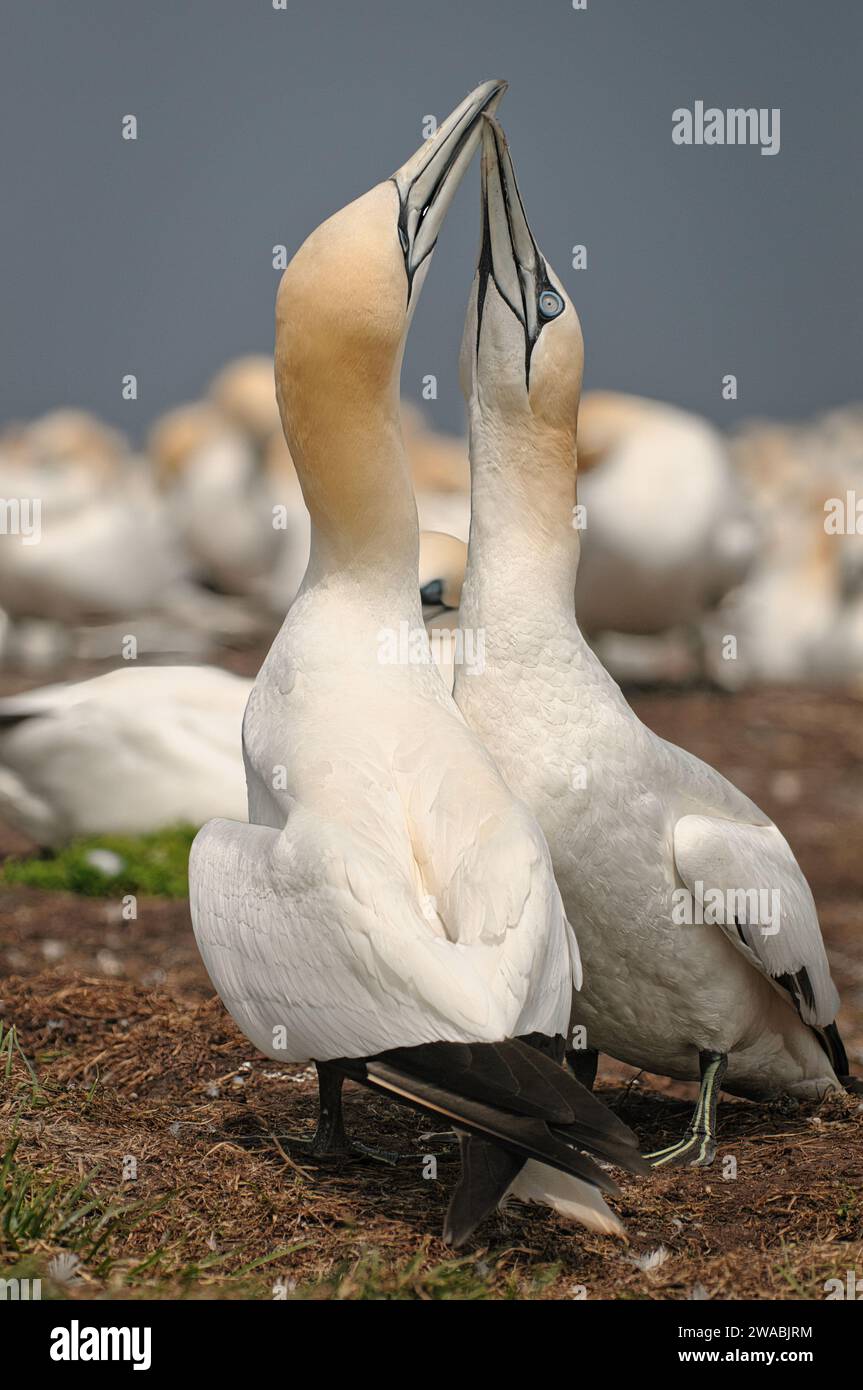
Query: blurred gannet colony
798	617
704	556
71	754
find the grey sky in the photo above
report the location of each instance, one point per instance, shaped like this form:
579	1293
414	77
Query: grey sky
154	257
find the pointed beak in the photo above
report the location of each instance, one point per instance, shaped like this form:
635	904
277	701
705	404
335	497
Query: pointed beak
509	255
513	256
427	183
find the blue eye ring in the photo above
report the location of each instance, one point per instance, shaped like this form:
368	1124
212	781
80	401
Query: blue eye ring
550	304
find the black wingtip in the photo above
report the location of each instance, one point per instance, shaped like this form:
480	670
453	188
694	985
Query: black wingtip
836	1050
486	1173
512	1101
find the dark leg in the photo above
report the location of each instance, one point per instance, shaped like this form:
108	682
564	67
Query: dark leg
583	1063
330	1139
698	1145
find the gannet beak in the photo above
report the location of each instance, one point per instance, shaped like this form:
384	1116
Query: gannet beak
427	183
509	255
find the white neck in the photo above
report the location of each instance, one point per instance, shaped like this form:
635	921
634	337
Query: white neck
523	546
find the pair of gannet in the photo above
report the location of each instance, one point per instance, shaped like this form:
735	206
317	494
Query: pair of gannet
391	910
127	752
702	953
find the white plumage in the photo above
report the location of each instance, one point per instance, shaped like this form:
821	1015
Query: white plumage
630	819
127	752
389	893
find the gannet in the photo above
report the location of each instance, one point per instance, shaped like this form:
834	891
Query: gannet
105	543
390	911
666	528
99	542
638	829
797	616
210	460
442	561
443	504
244	391
127	752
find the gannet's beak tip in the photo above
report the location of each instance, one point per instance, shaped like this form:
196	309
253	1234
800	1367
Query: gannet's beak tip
427	182
493	91
495	87
495	146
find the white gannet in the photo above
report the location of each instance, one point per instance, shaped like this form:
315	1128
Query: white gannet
294	527
101	544
667	529
127	752
245	392
798	616
639	830
215	486
390	911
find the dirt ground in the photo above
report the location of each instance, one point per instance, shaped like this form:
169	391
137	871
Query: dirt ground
126	1080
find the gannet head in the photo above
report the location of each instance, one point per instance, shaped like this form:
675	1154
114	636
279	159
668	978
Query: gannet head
442	563
522	352
345	301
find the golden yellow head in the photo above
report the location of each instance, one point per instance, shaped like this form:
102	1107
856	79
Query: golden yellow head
345	301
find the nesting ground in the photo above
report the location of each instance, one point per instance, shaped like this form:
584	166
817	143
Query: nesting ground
149	1161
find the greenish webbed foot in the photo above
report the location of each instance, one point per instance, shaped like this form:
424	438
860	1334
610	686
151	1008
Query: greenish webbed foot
697	1148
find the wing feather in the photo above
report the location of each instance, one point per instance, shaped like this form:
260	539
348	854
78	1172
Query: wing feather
763	904
309	945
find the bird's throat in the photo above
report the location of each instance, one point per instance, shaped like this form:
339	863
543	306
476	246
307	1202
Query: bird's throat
524	533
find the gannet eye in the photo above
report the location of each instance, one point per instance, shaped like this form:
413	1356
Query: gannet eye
550	304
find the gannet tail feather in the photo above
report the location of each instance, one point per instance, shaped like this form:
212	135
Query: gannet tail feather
517	1099
487	1172
568	1196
